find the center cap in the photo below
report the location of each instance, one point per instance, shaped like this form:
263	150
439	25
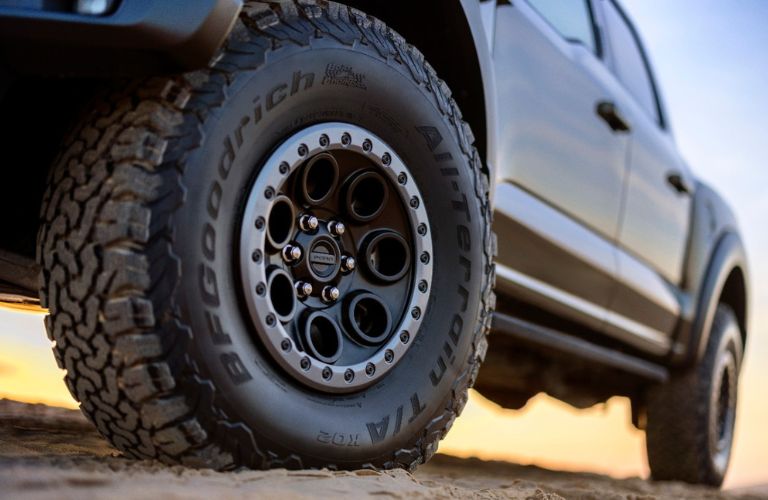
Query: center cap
323	258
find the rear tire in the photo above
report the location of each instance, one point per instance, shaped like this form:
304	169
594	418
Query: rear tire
143	266
690	419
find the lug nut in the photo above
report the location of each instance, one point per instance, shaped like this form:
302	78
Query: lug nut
303	289
330	294
336	228
308	223
348	263
291	253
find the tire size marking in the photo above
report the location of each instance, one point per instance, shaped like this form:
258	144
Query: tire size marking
340	439
208	283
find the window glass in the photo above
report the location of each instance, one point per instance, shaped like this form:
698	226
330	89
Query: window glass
631	68
571	18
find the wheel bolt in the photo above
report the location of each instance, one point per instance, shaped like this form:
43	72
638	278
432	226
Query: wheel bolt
337	228
303	289
330	294
308	223
348	263
389	356
285	345
291	253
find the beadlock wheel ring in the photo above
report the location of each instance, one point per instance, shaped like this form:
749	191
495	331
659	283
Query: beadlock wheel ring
277	178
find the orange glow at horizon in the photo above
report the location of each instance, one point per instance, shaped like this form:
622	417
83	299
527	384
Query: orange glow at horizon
28	371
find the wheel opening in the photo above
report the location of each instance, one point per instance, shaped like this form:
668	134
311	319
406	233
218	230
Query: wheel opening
280	223
369	318
387	256
366	196
282	295
319	179
323	338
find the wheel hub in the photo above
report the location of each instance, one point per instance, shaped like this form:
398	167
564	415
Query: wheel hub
335	257
324	260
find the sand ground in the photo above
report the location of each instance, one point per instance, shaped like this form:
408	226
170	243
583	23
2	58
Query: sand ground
50	452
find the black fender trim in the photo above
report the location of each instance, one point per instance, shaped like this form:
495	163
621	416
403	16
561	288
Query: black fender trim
715	249
139	37
729	254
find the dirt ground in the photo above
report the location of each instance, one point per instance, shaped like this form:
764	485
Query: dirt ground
50	452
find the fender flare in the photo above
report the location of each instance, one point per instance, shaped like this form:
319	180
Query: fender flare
729	255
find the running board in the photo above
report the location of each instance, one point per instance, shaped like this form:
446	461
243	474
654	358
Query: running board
539	336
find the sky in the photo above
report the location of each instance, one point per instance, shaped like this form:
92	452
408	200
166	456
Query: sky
711	62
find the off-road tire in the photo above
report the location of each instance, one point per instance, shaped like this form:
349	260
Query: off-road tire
679	418
121	223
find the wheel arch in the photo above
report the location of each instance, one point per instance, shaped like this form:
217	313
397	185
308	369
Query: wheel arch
734	295
726	282
715	271
37	114
457	47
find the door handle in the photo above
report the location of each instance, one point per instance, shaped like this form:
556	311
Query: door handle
611	115
678	182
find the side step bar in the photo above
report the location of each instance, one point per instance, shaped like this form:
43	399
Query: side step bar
543	337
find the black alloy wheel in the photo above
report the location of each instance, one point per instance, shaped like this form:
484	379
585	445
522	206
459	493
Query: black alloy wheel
335	257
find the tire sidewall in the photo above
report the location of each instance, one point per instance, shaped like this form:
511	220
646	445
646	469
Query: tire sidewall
262	108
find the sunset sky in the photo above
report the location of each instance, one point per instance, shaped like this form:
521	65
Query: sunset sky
711	60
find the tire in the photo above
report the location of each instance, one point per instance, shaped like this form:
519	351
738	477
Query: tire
690	419
139	249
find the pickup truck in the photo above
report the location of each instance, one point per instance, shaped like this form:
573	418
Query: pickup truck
278	233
